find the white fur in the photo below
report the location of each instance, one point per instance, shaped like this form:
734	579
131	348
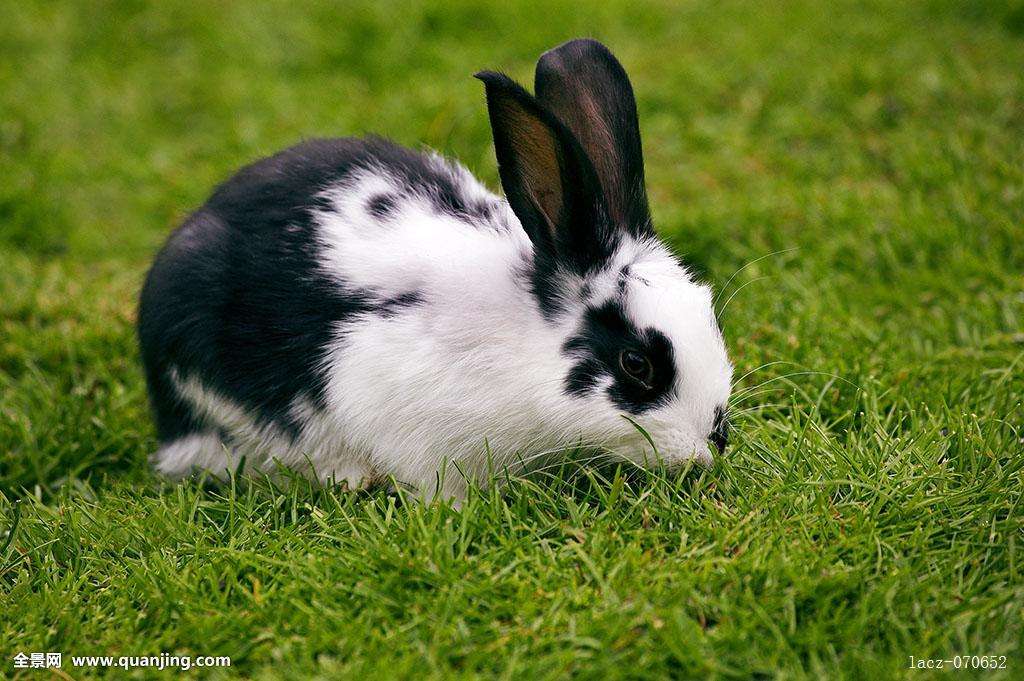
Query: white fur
471	380
316	451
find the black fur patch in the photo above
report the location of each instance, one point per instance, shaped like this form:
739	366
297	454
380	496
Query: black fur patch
236	297
480	212
392	306
604	334
380	206
428	177
585	290
720	431
623	279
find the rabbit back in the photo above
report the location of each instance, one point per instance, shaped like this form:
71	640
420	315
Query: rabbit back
245	310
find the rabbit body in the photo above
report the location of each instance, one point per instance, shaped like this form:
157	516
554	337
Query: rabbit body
362	312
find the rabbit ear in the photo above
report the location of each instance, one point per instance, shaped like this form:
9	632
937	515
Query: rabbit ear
585	86
548	180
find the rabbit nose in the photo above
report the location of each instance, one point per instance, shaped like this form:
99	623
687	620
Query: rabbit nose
719	436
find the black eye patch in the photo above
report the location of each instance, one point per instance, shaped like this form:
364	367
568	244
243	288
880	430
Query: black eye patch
603	336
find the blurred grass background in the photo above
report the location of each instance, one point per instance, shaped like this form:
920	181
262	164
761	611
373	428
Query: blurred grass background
873	151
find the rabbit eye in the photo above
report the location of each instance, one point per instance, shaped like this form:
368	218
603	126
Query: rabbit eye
637	366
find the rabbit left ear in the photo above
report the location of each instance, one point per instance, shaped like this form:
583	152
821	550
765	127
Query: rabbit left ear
548	180
585	87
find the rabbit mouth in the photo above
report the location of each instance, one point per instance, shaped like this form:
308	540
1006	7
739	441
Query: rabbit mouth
694	454
670	452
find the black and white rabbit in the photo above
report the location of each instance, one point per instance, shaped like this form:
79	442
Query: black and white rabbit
361	311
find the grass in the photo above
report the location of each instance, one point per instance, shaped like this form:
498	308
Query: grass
865	161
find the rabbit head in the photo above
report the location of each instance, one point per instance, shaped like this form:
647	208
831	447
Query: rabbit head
643	347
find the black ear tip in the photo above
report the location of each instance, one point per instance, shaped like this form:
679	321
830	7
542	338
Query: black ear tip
497	82
499	88
575	50
575	62
580	46
488	77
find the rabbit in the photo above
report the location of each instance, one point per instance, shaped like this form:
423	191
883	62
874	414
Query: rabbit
365	313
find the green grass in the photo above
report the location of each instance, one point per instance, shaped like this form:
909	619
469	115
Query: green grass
869	510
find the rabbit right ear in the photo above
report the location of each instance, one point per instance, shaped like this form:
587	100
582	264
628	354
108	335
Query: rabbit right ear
585	87
548	180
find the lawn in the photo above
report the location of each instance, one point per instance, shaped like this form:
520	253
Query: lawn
850	176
